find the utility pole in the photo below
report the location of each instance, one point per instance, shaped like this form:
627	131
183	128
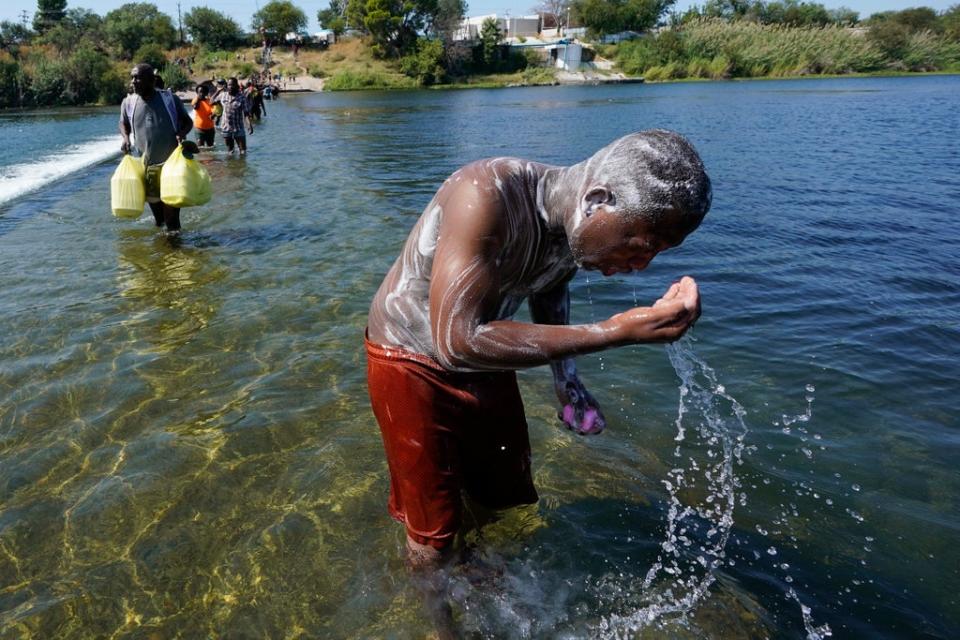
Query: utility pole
180	23
24	17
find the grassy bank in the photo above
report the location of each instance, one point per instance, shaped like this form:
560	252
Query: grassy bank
716	49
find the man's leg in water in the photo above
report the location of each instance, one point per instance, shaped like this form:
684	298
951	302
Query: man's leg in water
242	144
229	141
171	217
157	208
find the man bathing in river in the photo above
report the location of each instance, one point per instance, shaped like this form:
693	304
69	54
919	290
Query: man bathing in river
442	348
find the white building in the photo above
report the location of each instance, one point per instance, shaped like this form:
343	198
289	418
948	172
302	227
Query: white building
519	27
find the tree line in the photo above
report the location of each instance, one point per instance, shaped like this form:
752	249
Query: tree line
730	38
73	56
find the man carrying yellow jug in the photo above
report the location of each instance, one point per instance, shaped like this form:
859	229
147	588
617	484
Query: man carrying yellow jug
159	123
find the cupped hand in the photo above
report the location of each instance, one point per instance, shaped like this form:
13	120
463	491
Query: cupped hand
667	320
125	147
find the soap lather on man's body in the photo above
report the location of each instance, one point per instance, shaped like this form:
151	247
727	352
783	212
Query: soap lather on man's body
442	345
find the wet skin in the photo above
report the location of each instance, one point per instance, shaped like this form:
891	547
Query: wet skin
502	230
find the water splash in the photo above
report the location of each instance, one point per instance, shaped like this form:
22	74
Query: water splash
17	180
710	437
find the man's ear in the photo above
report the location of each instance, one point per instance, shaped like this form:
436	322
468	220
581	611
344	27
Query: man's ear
597	195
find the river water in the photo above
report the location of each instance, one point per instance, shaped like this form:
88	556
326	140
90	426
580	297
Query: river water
187	450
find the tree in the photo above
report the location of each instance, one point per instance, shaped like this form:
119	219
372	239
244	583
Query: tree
13	34
78	26
426	64
613	16
278	18
152	54
212	28
844	15
951	22
556	9
136	24
490	37
334	16
393	25
82	73
49	13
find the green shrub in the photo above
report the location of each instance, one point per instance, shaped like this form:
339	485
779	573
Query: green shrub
425	64
175	77
244	69
357	80
539	75
152	54
112	87
10	82
316	71
82	72
47	83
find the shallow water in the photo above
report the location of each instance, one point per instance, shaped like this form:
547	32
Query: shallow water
186	446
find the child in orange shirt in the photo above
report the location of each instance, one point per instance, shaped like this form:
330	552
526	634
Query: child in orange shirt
203	118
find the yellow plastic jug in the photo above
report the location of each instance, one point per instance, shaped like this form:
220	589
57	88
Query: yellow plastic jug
184	182
126	189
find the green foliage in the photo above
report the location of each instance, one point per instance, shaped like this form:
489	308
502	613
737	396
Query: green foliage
10	82
174	77
245	69
82	73
612	16
48	14
359	80
539	75
394	25
47	82
152	54
720	49
490	37
426	63
211	28
951	22
278	18
316	72
333	17
13	34
136	24
77	26
112	87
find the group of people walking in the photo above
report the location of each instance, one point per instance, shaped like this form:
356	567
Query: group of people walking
154	120
232	109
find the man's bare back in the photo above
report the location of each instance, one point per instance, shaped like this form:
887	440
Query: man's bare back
532	257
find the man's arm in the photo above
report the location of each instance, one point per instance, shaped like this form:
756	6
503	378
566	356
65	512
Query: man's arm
464	299
125	127
184	122
579	410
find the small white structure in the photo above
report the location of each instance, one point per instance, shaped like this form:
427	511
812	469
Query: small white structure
325	36
565	55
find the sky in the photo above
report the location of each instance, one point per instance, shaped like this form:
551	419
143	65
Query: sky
243	10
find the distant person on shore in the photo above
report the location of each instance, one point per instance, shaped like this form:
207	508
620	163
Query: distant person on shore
236	114
159	123
203	118
442	345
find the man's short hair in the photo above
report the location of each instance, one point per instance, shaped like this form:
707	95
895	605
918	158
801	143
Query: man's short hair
143	69
654	171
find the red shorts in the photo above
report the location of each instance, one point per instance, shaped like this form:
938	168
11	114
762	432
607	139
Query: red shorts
445	432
